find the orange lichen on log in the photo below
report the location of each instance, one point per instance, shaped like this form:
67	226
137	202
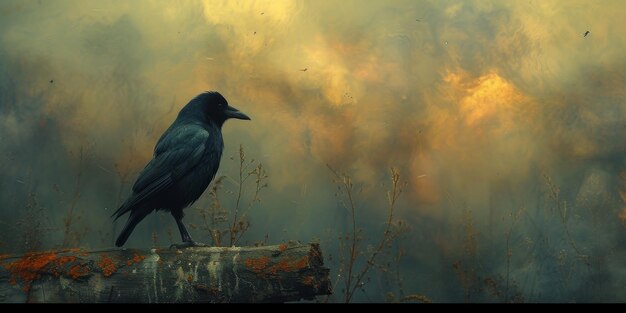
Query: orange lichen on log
282	265
65	259
30	267
136	259
27	269
289	266
60	263
308	280
78	271
258	264
302	263
107	266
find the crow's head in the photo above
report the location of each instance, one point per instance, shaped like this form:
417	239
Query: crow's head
212	106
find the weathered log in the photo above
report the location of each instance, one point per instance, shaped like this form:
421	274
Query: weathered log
286	272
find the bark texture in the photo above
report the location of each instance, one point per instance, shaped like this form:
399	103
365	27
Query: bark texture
286	272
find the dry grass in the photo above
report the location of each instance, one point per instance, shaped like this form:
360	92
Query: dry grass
538	246
214	216
622	194
466	268
515	218
486	283
416	298
33	224
73	231
355	264
217	220
562	209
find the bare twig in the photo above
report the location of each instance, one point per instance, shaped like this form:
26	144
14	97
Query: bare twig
514	219
71	217
216	219
562	211
354	280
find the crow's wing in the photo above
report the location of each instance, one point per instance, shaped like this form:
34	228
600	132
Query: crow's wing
177	153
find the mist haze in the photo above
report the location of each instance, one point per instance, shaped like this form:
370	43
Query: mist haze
506	122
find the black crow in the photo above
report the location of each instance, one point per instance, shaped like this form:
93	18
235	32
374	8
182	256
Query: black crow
186	158
586	33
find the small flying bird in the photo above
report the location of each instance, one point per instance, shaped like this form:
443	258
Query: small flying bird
186	159
586	33
52	81
304	69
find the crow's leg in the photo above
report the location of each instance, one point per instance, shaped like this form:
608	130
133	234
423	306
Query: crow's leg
184	234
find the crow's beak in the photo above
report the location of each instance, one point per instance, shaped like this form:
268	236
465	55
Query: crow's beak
234	113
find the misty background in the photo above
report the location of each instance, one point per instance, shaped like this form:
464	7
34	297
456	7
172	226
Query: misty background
505	121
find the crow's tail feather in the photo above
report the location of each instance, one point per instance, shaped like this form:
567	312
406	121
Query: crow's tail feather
125	207
133	220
